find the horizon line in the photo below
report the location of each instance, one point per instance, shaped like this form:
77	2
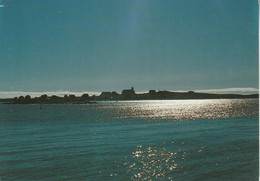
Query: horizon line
236	90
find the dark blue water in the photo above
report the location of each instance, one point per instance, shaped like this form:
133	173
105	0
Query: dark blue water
135	140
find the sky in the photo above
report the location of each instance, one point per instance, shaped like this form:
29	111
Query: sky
100	45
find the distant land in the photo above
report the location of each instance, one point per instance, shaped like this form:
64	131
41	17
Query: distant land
127	94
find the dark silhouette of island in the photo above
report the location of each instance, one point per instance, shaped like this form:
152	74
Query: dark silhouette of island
44	99
127	94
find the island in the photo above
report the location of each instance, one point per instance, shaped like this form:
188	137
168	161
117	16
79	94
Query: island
127	94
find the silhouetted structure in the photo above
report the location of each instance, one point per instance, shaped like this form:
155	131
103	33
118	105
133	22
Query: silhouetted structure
127	94
110	96
115	95
106	95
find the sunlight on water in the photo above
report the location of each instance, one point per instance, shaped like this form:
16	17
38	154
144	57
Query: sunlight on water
164	162
131	140
155	163
182	109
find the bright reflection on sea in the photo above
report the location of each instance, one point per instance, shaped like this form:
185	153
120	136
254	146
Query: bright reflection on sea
182	109
159	162
175	159
131	140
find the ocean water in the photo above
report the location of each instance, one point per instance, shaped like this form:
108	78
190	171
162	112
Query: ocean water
131	140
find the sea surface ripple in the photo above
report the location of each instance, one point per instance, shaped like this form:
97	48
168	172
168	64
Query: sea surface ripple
131	140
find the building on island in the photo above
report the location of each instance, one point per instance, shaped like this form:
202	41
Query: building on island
129	93
126	94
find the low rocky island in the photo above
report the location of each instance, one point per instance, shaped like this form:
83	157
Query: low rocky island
44	99
127	94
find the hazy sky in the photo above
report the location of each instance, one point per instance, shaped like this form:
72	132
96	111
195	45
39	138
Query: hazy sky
96	45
